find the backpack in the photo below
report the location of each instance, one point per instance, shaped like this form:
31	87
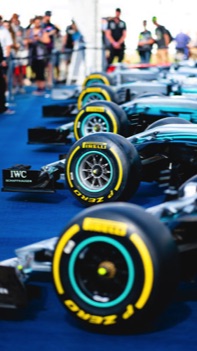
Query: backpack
170	37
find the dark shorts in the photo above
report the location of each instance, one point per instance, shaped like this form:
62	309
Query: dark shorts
38	67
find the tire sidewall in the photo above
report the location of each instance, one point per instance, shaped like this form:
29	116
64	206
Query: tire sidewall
151	256
123	161
97	78
99	92
112	115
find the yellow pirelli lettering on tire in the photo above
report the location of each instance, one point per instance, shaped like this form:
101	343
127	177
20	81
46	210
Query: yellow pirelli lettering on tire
120	170
104	226
94	145
95	109
58	253
129	312
90	318
68	166
148	270
92	90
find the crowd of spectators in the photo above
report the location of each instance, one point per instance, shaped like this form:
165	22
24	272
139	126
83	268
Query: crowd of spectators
34	52
114	33
31	55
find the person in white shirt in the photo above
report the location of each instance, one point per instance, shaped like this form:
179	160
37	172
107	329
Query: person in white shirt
6	43
5	39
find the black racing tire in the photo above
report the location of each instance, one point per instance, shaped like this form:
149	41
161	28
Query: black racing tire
115	267
102	167
97	78
168	120
101	116
96	92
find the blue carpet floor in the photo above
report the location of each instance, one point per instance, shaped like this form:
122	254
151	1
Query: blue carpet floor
27	218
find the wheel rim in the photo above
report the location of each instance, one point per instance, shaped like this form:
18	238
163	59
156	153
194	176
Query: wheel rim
101	271
94	171
92	97
94	123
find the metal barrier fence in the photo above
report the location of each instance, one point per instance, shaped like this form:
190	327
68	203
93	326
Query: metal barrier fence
80	57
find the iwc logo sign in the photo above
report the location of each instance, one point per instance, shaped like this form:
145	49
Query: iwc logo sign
15	176
18	174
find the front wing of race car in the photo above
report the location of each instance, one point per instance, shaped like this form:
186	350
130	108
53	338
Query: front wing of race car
57	136
67	107
30	262
20	178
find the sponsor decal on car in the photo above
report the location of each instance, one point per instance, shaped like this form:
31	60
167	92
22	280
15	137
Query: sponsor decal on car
93	319
94	145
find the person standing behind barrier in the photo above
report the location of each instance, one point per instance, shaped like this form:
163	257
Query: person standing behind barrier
145	42
57	55
116	33
68	44
162	41
6	42
3	108
182	41
51	29
20	54
37	40
73	36
105	42
5	39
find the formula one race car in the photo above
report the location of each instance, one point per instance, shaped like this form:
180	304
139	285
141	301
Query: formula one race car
97	86
122	73
105	167
115	266
134	116
126	119
118	94
123	85
181	81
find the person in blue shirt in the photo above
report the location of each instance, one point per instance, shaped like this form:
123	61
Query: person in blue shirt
182	41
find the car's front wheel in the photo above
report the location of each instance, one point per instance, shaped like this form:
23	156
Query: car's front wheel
103	167
115	266
101	116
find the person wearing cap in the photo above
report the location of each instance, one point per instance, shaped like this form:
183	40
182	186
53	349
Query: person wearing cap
162	42
51	30
116	33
